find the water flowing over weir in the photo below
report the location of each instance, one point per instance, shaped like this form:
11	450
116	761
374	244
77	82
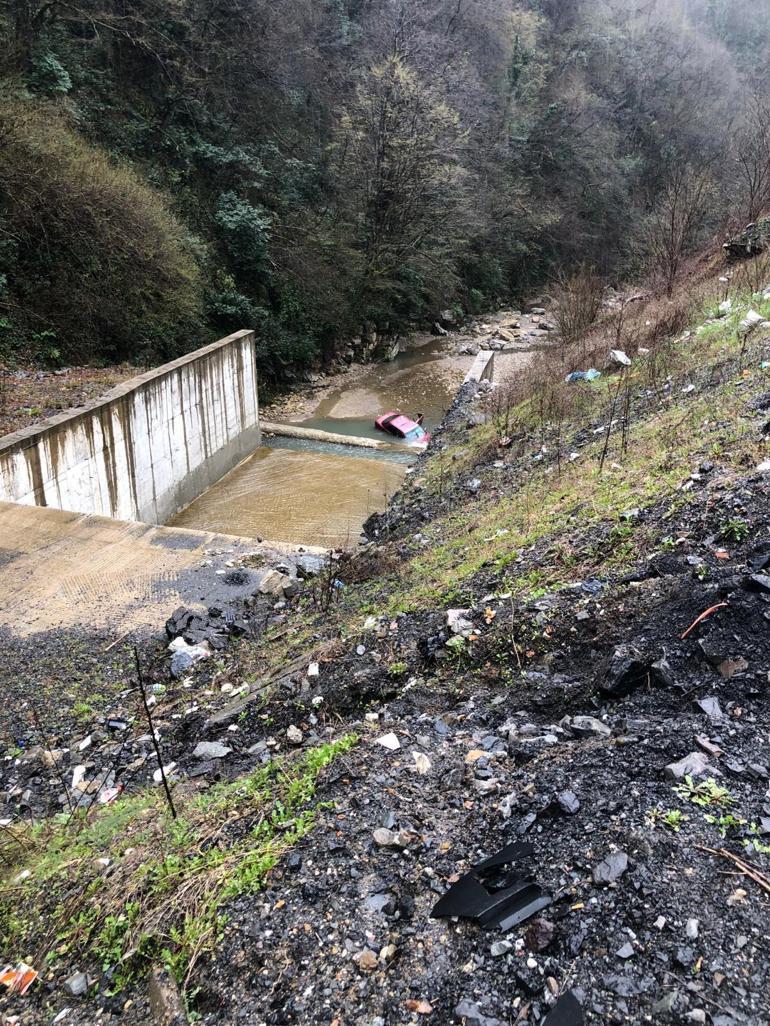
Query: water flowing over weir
180	445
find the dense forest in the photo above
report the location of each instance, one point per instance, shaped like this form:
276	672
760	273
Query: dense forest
330	170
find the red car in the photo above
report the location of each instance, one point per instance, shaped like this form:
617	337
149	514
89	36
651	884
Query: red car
402	427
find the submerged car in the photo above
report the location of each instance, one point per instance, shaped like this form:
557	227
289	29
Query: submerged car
402	427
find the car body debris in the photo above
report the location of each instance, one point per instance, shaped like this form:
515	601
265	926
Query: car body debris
515	899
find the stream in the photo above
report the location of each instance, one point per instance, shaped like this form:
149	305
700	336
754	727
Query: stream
311	493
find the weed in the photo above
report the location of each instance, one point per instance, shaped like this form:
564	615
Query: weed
169	880
725	822
397	669
734	530
705	793
672	818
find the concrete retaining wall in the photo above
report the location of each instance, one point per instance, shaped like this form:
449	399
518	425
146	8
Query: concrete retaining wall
147	448
483	367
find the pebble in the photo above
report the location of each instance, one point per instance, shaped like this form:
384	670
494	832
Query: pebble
77	984
627	951
366	960
294	735
611	869
389	741
500	948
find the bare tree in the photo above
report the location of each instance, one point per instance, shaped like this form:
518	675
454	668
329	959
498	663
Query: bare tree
753	158
678	219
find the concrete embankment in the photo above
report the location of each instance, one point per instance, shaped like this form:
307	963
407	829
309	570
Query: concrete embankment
147	448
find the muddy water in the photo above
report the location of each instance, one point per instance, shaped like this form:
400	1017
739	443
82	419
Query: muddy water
305	497
423	380
321	495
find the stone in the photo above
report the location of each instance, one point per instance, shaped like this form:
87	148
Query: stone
539	935
389	741
165	999
696	764
474	485
470	1014
421	763
211	750
568	802
384	838
274	583
758	583
731	667
587	726
627	951
626	671
610	869
500	948
294	735
366	960
710	706
77	984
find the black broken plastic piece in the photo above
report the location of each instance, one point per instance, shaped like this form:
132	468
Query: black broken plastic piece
566	1012
505	908
511	852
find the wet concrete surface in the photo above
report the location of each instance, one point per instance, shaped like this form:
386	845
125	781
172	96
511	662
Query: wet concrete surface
64	570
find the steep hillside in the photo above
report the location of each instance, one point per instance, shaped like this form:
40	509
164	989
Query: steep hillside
558	635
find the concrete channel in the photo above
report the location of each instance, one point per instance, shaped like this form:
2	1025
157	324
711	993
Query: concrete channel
84	495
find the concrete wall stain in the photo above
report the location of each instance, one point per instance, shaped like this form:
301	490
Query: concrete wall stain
147	448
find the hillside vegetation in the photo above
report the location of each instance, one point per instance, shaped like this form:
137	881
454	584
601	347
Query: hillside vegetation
345	170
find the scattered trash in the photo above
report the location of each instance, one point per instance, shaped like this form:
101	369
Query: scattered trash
184	656
588	375
20	979
422	763
313	670
749	322
468	898
294	735
619	358
725	308
566	1012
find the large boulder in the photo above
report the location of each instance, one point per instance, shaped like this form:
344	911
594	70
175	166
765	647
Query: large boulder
754	239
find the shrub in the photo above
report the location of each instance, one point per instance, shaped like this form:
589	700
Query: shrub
577	304
245	230
90	252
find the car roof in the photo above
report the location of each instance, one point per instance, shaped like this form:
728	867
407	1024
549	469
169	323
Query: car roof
402	423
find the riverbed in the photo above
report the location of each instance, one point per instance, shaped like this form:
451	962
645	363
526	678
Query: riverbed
292	491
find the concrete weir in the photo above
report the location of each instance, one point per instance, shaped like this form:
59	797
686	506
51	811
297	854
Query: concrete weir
147	448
